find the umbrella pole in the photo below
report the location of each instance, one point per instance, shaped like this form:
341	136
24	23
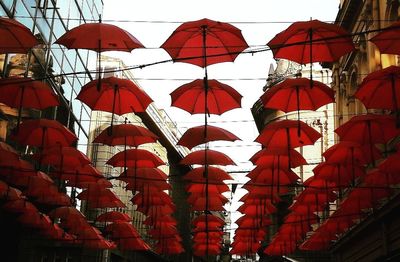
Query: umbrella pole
20	107
204	34
370	143
311	59
113	109
394	97
298	110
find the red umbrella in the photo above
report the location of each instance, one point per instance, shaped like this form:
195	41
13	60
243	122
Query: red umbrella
311	41
210	203
15	37
125	134
26	93
206	96
369	129
100	198
271	176
340	174
43	133
278	158
113	216
207	157
284	134
99	37
346	152
205	42
65	213
214	174
150	174
62	157
208	218
387	39
195	136
380	89
135	158
211	189
19	206
115	95
295	94
80	176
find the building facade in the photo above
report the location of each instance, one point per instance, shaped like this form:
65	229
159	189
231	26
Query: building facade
56	65
377	237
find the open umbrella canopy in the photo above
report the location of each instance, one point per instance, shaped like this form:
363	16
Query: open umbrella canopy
387	39
211	202
206	96
311	41
347	152
212	189
191	41
116	95
262	175
207	157
195	136
20	92
125	134
62	157
43	133
213	174
144	173
368	129
381	89
280	158
15	37
391	164
208	218
99	37
113	216
340	174
285	134
295	94
135	158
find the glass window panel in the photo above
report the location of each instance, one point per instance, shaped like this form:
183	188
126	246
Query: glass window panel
9	4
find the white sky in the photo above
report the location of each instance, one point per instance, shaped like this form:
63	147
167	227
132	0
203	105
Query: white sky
260	20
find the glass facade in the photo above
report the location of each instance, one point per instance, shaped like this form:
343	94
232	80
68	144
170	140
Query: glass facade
66	70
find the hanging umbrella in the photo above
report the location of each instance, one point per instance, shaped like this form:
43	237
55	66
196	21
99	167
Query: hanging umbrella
215	98
387	39
369	129
145	173
311	41
347	152
207	157
26	93
214	174
100	198
194	136
218	41
115	95
340	174
284	134
43	133
62	157
295	94
380	90
113	216
278	158
99	37
125	135
135	158
15	37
